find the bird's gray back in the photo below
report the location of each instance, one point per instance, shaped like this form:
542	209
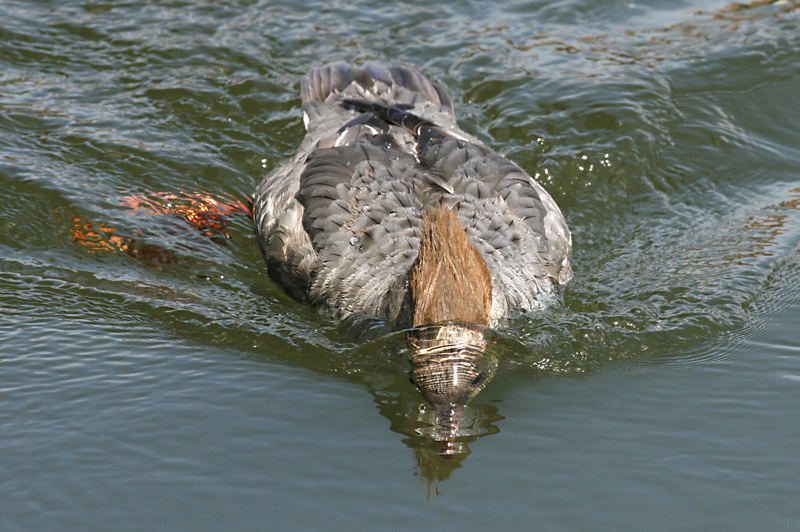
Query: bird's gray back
340	223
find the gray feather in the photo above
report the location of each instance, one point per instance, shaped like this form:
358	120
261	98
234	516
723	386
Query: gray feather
340	223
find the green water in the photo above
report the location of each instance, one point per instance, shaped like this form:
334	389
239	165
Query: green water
184	390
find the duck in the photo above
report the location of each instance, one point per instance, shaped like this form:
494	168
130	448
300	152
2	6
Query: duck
390	210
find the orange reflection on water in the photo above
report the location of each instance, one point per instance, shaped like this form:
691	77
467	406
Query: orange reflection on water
97	237
763	231
209	214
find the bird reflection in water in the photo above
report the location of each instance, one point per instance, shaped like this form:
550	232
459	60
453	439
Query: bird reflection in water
440	437
426	387
449	366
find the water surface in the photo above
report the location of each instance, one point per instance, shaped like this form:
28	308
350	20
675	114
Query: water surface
172	385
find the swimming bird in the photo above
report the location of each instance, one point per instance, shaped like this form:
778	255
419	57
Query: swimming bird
392	211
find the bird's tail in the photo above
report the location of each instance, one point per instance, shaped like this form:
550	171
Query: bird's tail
396	85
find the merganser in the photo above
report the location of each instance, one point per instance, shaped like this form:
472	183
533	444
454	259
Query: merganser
390	210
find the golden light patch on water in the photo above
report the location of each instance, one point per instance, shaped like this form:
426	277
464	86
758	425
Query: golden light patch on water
206	213
763	230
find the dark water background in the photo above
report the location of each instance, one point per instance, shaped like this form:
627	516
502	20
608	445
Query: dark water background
188	392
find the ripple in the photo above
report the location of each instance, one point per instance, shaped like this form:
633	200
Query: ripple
663	268
663	133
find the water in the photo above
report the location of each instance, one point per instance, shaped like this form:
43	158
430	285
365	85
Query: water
171	385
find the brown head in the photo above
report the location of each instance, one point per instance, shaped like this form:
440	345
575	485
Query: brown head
450	280
452	293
